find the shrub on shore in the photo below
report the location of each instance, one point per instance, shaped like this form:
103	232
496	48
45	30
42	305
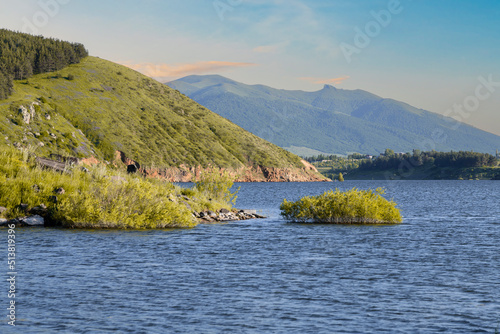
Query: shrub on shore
98	198
217	184
350	207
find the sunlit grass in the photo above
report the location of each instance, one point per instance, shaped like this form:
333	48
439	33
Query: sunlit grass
349	207
98	198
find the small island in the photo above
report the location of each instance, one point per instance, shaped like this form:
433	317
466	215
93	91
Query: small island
349	207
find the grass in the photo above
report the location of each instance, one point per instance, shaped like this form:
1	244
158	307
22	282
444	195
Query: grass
97	107
100	198
350	207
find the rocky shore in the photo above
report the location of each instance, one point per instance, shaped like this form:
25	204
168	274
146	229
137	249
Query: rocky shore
35	217
225	215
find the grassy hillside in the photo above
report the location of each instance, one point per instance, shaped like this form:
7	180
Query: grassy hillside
96	107
331	120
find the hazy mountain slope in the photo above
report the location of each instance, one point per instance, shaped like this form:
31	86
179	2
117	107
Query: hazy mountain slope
332	120
97	107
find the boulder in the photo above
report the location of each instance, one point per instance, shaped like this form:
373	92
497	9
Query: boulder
51	164
34	221
132	169
249	212
40	210
59	191
25	114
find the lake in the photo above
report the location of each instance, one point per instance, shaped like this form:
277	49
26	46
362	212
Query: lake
439	271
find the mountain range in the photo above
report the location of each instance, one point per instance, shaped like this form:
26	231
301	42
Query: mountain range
332	120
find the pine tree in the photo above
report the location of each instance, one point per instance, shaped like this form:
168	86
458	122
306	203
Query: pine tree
22	55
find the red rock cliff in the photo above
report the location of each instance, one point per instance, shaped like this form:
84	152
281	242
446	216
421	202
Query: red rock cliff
183	173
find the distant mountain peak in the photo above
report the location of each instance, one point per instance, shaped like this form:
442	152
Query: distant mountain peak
329	87
332	120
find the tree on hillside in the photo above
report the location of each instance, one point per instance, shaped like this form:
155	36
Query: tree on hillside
22	55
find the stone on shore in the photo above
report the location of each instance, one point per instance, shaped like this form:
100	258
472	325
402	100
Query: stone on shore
225	215
32	221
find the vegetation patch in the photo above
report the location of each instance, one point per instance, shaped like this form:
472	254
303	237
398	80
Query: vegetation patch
349	207
22	55
417	165
100	196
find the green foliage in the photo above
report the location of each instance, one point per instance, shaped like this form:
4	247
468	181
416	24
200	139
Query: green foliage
389	152
332	165
101	198
217	185
461	159
22	55
341	177
132	203
350	207
415	165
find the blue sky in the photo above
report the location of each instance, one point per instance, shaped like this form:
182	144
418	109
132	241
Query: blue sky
427	53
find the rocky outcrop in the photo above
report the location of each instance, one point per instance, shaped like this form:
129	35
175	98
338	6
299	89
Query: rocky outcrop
225	215
243	174
183	173
32	221
28	113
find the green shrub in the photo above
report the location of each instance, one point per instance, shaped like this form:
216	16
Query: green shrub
101	198
189	192
127	203
350	207
217	184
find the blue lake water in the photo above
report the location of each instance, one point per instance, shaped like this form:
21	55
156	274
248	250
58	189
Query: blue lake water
439	271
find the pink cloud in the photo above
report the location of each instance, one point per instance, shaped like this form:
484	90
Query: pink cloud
167	71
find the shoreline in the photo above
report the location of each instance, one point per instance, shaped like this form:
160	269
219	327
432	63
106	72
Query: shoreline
203	217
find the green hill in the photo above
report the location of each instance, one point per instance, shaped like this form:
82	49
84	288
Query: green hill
97	107
332	120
